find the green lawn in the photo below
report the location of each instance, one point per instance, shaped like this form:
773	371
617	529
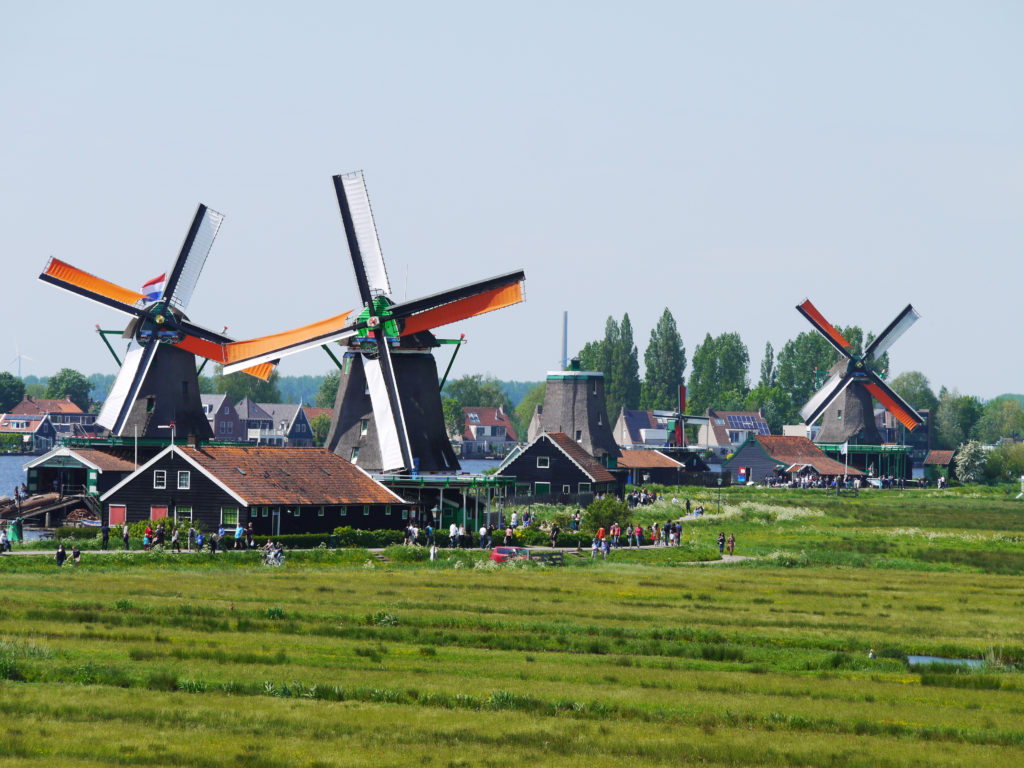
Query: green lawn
337	659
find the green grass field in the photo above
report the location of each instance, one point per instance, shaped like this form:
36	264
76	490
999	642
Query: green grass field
337	659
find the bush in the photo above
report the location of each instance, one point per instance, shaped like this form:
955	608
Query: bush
67	532
354	537
603	512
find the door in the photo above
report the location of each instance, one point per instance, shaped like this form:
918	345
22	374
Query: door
275	521
117	514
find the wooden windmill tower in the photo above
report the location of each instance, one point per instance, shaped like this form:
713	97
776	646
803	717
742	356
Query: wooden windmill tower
845	401
387	414
157	384
574	403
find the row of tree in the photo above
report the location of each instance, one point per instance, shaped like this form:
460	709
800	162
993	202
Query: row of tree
719	378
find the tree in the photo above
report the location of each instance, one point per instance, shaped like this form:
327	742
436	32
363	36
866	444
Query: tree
238	386
718	373
969	461
1005	463
665	362
913	387
616	357
321	425
768	372
12	390
69	383
328	390
774	403
523	413
955	418
1002	417
603	512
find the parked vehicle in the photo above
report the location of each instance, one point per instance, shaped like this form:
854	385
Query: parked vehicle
504	554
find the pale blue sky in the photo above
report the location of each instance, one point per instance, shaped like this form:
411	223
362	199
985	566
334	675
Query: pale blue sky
724	159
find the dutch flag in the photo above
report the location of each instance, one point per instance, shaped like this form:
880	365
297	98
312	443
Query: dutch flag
154	287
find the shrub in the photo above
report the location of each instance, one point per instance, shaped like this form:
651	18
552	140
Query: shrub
603	512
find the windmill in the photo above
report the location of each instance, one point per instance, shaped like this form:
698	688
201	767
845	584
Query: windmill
845	399
157	383
18	357
387	413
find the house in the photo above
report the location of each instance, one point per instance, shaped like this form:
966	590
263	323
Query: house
641	428
647	465
278	490
487	431
939	464
27	433
68	419
224	420
728	430
257	424
289	424
773	455
554	465
77	470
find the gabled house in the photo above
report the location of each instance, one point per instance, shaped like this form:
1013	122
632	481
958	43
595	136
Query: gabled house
224	420
27	433
939	464
777	455
556	466
290	424
257	424
77	470
641	428
728	430
278	490
68	419
487	431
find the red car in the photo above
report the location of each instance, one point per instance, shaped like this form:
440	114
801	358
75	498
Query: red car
504	554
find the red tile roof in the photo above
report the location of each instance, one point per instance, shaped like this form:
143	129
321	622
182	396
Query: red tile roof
587	463
8	422
272	476
938	458
312	413
799	450
39	406
105	461
638	458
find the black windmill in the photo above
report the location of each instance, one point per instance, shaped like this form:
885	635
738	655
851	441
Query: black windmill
157	384
387	414
845	401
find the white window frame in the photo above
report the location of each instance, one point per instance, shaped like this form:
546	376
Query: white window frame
160	479
566	488
188	480
584	487
179	514
224	521
543	462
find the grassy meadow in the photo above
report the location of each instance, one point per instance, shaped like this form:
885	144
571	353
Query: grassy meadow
339	659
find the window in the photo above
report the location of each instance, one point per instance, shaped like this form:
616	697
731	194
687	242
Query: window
566	489
366	509
320	512
364	425
184	480
595	386
542	489
387	510
229	427
355	455
579	435
229	515
266	511
543	462
599	422
182	514
839	414
584	487
405	514
343	511
227	410
160	478
297	511
118	514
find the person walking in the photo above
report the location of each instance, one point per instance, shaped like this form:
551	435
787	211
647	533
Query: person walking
731	543
124	535
76	555
190	542
554	535
61	555
105	536
175	543
721	542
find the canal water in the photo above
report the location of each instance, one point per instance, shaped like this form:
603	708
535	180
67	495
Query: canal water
12	473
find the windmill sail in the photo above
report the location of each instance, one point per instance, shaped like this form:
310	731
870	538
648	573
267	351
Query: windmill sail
185	273
391	453
364	245
126	387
